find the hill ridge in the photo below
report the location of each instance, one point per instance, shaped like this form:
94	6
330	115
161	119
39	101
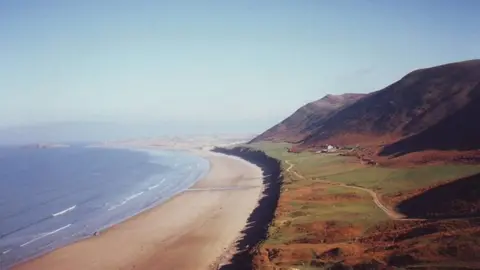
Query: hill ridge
440	102
296	126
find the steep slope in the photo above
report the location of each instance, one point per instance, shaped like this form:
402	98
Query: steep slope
300	124
458	131
437	105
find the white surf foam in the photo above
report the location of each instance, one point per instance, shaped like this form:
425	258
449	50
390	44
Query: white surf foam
43	235
6	251
115	206
152	187
64	211
133	196
125	201
157	185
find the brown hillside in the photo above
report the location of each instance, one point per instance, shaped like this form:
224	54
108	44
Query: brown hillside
433	109
299	125
458	131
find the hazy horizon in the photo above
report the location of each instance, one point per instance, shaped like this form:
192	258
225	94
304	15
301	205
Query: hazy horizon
101	131
218	66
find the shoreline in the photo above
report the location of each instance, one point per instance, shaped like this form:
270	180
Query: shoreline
252	236
84	236
205	221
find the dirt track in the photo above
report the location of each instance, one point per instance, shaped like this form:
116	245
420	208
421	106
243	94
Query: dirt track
392	214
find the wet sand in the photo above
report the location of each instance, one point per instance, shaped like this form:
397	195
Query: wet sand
193	230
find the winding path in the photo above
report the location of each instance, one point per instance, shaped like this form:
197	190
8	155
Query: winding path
392	214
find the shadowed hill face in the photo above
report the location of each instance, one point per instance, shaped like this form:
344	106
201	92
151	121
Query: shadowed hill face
301	123
460	198
433	97
458	131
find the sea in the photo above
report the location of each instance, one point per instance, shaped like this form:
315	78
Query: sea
50	197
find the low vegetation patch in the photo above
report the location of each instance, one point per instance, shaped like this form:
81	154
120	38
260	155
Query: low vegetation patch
317	215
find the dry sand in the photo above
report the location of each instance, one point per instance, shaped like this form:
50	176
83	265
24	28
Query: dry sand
190	231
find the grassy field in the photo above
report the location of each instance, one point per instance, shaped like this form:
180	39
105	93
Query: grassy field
388	180
313	216
303	211
306	202
348	170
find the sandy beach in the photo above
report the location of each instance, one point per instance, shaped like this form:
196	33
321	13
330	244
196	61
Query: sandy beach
193	230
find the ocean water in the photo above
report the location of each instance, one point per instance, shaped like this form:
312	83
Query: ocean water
54	196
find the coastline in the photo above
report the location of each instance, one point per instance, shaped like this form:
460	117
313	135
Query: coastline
192	230
252	236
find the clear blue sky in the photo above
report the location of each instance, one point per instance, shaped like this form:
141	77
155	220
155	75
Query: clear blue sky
250	62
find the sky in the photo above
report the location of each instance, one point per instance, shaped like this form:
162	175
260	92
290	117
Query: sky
216	64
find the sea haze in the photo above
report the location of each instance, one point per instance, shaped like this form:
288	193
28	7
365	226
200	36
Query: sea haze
53	196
